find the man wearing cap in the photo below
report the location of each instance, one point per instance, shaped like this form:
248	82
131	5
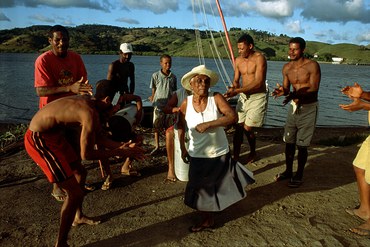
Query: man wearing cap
120	70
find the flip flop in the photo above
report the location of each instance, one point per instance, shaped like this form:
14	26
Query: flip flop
89	187
169	180
351	211
106	185
132	173
60	197
360	231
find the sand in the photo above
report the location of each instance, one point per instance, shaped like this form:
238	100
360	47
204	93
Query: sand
144	211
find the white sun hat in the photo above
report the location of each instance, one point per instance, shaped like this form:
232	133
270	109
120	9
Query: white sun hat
199	70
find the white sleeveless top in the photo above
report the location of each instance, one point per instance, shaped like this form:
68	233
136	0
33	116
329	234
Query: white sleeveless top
212	143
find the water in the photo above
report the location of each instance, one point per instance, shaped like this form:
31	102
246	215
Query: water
19	100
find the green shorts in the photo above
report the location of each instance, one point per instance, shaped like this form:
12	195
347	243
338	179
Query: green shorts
251	109
362	159
300	124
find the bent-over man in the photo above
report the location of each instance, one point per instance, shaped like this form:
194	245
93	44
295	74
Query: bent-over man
46	144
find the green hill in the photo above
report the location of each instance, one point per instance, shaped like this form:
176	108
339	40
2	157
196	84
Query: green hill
104	39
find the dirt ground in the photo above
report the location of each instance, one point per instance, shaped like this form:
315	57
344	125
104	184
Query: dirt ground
144	211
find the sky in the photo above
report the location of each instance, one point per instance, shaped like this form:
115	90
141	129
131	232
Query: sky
329	21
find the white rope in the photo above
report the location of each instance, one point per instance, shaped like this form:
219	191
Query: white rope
224	76
197	35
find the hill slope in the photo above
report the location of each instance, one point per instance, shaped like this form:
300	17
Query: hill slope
103	39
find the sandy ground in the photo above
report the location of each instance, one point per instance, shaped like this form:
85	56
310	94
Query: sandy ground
143	211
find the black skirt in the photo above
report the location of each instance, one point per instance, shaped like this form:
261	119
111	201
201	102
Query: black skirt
216	183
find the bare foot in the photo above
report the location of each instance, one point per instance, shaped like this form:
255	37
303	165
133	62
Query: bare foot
85	220
362	230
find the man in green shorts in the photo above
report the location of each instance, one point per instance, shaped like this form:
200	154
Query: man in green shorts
304	76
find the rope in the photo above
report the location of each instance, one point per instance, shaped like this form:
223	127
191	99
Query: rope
212	44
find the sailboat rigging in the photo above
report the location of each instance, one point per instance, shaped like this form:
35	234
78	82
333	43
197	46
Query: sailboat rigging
198	7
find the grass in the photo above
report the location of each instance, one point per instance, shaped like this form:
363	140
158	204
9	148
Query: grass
12	135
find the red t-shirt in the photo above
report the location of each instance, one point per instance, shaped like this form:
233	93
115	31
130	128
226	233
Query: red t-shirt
54	71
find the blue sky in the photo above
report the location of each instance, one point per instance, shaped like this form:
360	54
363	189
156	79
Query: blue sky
330	21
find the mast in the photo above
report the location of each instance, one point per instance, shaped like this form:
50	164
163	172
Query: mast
226	33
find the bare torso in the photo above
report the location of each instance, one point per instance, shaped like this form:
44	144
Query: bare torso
252	71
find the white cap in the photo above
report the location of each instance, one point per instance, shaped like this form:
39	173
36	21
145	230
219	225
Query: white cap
126	48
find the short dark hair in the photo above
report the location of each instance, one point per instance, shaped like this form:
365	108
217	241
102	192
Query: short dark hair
58	28
300	41
165	56
247	39
103	89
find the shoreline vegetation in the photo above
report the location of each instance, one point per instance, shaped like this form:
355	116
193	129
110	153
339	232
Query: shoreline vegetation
104	40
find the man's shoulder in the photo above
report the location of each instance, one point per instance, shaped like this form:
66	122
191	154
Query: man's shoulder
45	55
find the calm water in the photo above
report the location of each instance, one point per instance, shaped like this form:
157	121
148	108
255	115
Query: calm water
19	100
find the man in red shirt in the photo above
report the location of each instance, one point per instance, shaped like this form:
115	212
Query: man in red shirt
59	73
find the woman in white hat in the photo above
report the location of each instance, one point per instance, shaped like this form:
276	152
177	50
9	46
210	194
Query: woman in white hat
215	181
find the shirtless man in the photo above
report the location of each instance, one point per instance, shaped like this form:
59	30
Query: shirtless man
251	66
46	144
304	76
121	70
361	164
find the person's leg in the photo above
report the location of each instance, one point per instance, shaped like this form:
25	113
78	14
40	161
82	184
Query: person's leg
80	174
302	159
156	141
364	193
248	131
170	138
106	174
207	221
69	208
363	211
289	158
237	140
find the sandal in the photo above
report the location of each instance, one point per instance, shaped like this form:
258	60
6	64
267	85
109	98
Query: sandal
132	173
89	187
60	197
169	180
106	185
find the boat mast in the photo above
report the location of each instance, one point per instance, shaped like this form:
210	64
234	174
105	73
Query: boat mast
226	33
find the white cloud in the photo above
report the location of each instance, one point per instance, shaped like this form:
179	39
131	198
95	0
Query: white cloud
155	6
337	10
294	27
275	8
363	37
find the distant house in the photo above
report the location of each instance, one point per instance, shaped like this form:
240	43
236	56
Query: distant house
337	60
